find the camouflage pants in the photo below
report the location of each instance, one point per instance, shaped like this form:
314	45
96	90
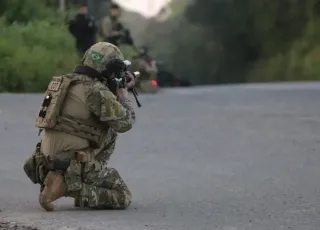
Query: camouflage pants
105	189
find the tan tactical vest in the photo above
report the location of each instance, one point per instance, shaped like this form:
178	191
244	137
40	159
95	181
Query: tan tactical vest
49	116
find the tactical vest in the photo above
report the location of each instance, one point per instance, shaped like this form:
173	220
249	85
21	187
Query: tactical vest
50	117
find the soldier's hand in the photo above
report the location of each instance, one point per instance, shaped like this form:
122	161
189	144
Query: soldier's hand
122	94
131	83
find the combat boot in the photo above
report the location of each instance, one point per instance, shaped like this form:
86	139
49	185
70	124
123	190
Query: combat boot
54	189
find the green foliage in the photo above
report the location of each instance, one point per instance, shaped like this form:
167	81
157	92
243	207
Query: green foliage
30	54
207	41
129	51
221	41
34	46
300	62
24	11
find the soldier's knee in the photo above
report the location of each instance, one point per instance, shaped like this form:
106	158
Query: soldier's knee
120	193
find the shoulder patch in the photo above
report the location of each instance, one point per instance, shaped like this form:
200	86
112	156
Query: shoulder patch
55	84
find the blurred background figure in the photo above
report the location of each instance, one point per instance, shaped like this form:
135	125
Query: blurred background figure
126	45
145	65
126	38
144	54
82	26
112	29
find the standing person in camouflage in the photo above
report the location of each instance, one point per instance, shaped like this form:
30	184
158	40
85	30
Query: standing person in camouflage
80	114
111	28
147	67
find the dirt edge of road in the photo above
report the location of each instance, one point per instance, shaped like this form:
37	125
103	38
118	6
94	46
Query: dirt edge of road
11	225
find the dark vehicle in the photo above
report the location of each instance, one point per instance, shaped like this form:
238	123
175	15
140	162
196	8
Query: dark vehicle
167	79
163	77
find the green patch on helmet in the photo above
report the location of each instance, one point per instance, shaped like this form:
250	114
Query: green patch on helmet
95	56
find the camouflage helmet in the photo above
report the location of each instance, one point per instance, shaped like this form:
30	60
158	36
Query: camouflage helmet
99	54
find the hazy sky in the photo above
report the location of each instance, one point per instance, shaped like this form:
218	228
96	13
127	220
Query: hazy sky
147	8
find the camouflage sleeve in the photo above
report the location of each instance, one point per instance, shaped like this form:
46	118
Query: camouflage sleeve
106	26
120	116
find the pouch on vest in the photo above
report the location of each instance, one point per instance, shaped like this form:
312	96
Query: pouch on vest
30	169
34	166
53	101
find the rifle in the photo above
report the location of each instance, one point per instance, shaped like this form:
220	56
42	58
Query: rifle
135	74
120	69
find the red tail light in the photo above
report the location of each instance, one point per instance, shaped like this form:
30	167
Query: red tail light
154	82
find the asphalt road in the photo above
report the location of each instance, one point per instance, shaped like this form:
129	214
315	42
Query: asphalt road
207	158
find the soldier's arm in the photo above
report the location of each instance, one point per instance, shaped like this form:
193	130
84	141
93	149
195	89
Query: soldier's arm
72	27
107	30
92	25
120	116
105	27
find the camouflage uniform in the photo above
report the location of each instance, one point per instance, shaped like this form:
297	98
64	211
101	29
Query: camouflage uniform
148	73
89	106
146	69
111	29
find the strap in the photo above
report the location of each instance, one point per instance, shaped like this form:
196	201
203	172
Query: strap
68	120
63	160
86	70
